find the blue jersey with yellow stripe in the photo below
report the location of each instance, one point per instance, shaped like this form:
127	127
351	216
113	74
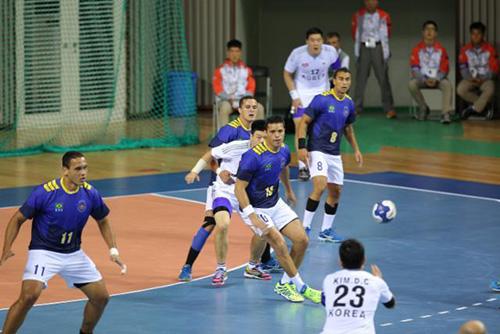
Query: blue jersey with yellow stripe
330	115
261	168
59	215
234	130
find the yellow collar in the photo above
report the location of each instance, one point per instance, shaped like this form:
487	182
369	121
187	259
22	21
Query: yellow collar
333	93
270	149
66	189
243	126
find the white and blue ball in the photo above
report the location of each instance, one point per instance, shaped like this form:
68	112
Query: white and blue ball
384	211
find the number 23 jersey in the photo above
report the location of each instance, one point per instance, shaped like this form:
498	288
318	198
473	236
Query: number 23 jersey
59	215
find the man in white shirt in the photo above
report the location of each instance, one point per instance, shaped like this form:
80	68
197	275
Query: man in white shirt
351	295
306	75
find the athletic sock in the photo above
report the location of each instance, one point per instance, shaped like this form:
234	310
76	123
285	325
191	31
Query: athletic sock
329	217
299	283
311	207
285	279
302	165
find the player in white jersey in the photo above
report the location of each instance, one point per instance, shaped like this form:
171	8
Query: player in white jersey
224	200
306	75
351	295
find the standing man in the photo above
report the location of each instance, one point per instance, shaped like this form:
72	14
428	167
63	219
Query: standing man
269	217
429	69
333	39
351	295
325	121
478	62
231	81
306	75
371	29
60	209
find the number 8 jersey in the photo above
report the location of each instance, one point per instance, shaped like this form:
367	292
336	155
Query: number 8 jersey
59	215
351	298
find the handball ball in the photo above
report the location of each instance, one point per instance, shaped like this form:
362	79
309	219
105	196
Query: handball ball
384	211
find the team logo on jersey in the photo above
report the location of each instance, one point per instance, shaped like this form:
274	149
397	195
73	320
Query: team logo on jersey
331	108
268	167
58	207
346	111
82	205
305	64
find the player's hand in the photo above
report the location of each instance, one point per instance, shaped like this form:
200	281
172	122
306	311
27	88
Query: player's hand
359	158
191	177
225	176
296	103
376	271
291	199
5	256
258	223
116	259
303	156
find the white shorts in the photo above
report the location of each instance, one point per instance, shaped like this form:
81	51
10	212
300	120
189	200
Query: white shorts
322	164
278	216
210	199
75	268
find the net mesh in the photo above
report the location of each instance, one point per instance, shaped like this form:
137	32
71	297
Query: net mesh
94	75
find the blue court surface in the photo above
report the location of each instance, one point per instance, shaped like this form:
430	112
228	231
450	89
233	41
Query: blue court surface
438	257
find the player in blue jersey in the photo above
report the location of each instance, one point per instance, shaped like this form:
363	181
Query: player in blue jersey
239	129
269	217
59	210
329	116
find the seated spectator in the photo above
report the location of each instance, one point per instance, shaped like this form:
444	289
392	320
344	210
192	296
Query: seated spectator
478	62
429	69
333	38
472	327
231	81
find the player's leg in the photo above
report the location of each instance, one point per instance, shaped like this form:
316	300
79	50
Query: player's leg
225	110
319	171
303	170
30	291
98	297
335	182
296	234
269	262
381	70
222	214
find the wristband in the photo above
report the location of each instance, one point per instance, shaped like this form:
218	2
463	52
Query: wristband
247	211
200	165
113	252
302	143
218	170
294	94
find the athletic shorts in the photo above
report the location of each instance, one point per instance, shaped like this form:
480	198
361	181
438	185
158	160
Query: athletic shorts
224	196
278	216
306	98
326	165
208	203
74	268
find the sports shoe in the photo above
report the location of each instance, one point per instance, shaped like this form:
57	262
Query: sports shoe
304	174
495	286
391	114
219	277
490	112
330	235
271	266
289	292
445	118
308	231
423	114
467	112
311	294
256	273
185	275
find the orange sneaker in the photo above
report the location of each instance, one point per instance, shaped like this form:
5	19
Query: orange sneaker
391	114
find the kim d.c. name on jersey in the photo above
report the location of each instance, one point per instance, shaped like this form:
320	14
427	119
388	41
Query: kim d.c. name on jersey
261	168
59	215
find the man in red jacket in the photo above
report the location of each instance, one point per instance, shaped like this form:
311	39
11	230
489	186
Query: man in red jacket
371	29
478	62
429	69
231	81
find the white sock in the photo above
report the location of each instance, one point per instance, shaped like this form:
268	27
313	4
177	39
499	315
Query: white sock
252	265
221	266
308	217
299	283
327	222
285	279
301	165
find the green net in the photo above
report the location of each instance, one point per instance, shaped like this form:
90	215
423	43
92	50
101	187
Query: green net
94	75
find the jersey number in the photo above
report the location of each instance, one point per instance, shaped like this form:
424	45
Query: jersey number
344	290
66	238
333	137
42	271
269	191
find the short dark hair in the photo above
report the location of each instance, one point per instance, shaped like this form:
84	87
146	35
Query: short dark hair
426	23
68	156
352	254
333	34
341	70
275	119
258	125
234	43
313	31
477	26
244	98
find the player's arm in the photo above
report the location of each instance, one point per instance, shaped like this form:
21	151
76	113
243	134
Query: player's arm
240	190
285	179
11	232
301	135
109	238
290	84
351	138
385	293
204	162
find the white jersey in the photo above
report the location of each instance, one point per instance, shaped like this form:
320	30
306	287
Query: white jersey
311	72
351	299
229	155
